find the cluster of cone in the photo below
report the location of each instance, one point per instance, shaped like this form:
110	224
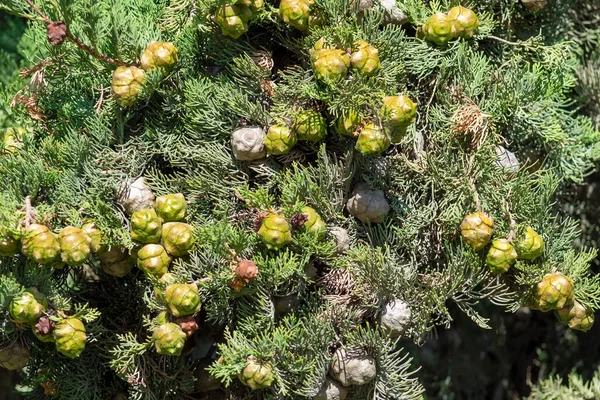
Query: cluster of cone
29	310
128	82
162	234
554	292
276	231
459	22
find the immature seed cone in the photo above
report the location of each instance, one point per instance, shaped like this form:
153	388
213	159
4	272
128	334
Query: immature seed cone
555	291
159	55
43	329
275	231
310	125
69	336
74	246
398	111
165	280
372	140
532	245
501	256
233	19
255	5
13	140
465	21
576	316
368	205
245	272
257	375
248	144
96	245
169	339
116	262
127	84
182	299
476	229
146	226
280	140
50	388
314	223
187	324
153	260
28	307
534	5
178	238
9	246
330	65
365	58
348	124
440	29
171	207
40	244
14	356
296	13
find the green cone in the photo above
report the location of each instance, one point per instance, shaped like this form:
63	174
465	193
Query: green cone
159	55
465	21
257	375
153	260
532	245
182	299
365	58
576	316
96	246
440	29
69	336
501	256
40	244
28	307
9	246
310	125
348	124
555	291
233	19
398	111
14	356
314	224
74	246
280	140
146	226
275	231
476	229
330	65
169	339
171	208
165	280
296	13
178	238
127	84
372	140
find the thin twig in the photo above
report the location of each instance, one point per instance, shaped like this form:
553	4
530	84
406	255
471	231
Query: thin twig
507	41
29	215
513	224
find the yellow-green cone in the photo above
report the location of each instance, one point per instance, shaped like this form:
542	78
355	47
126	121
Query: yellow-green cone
159	55
178	238
532	245
74	246
153	260
296	13
13	140
280	140
9	246
310	125
501	256
348	124
28	307
365	58
398	111
476	229
233	19
275	231
555	291
171	207
40	244
182	299
127	84
314	224
165	280
13	356
116	262
146	226
97	245
440	29
330	65
69	336
257	375
576	316
372	140
465	21
169	339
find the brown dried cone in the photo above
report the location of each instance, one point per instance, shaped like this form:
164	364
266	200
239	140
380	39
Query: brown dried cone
576	316
187	324
13	356
74	246
40	244
116	262
135	196
49	388
57	32
245	272
476	229
43	329
555	291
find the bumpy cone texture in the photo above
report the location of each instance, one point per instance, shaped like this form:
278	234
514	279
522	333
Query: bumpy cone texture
96	245
372	140
75	246
135	196
398	111
233	19
14	356
576	316
280	140
69	336
28	307
153	260
171	207
296	13
439	29
465	21
275	231
310	125
165	280
159	55
476	229
9	246
253	4
146	226
257	375
127	84
365	58
248	143
532	245
501	256
555	291
169	339
178	238
348	124
330	65
368	205
182	299
314	224
40	244
116	262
